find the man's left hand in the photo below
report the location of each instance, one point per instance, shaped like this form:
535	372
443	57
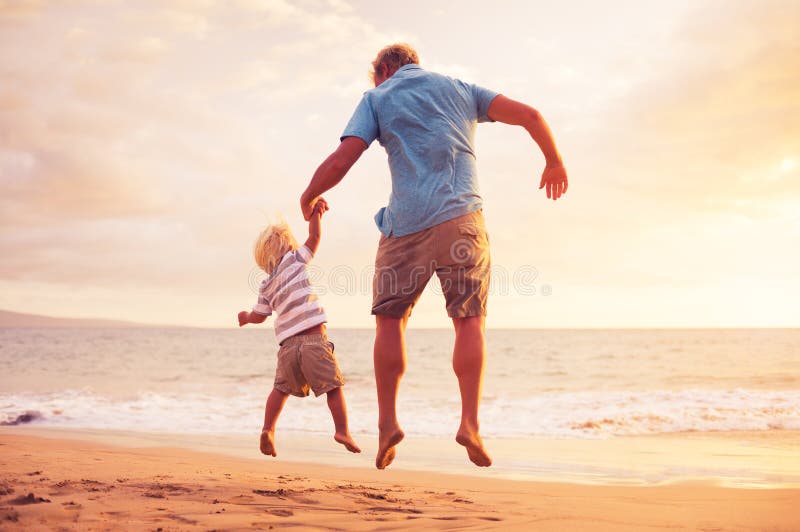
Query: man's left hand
555	179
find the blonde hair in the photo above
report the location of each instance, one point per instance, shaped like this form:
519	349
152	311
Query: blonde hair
272	244
395	56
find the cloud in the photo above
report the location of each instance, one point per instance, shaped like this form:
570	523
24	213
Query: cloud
713	129
20	9
144	142
121	118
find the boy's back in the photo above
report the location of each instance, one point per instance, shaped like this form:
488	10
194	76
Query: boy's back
305	359
288	292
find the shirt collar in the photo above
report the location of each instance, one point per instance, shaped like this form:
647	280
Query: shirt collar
410	66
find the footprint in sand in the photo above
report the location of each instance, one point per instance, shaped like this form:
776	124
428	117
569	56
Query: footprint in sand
173	488
378	496
181	519
395	510
280	493
30	498
63	487
157	490
9	514
304	500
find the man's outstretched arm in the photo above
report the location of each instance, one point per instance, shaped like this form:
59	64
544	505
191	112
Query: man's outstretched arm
508	111
331	171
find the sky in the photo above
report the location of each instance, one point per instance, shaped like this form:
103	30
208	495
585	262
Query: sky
143	146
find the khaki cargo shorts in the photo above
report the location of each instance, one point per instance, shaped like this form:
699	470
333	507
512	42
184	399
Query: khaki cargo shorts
456	250
307	361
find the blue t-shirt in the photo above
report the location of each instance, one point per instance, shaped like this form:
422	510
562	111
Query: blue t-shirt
426	123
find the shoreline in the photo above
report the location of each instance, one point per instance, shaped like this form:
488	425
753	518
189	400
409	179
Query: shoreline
742	459
63	483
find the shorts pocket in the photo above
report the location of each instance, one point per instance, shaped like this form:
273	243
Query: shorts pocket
468	245
473	230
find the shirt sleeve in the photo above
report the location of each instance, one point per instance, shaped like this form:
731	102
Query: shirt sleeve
303	254
262	306
364	123
483	99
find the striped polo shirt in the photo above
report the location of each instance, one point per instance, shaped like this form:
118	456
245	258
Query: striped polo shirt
288	292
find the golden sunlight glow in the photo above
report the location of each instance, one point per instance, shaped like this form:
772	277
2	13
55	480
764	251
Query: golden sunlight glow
146	143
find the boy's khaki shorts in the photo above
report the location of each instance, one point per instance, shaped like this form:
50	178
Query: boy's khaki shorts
307	361
457	250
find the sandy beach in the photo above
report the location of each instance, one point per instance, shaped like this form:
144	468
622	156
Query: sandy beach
68	483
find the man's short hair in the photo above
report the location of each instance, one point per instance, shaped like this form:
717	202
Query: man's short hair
395	56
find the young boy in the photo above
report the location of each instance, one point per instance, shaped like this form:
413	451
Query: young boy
305	357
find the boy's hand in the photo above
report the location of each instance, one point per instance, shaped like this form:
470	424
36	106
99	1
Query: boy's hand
244	318
320	207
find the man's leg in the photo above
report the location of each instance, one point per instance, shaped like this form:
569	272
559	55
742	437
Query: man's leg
275	403
390	364
469	354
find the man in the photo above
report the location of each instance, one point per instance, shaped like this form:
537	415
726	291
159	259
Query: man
433	222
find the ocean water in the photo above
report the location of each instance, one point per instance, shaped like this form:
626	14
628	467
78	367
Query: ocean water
574	384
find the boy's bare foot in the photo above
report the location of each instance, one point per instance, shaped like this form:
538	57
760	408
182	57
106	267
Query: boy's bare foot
347	440
474	444
267	444
386	444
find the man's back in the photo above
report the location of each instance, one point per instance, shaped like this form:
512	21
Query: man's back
426	123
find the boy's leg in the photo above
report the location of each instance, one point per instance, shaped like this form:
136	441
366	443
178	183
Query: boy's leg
339	412
469	354
390	364
275	403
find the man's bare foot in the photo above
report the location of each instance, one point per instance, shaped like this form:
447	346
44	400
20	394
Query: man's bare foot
268	444
477	454
386	443
347	440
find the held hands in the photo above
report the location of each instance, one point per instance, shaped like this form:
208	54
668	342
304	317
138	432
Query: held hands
309	207
319	207
555	179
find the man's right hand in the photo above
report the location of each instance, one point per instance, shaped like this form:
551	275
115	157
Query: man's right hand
307	206
554	180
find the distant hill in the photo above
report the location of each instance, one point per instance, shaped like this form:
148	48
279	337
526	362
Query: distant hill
10	319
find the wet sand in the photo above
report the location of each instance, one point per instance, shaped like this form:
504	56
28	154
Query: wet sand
69	483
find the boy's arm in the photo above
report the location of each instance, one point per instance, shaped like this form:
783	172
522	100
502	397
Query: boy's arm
508	111
315	225
246	317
